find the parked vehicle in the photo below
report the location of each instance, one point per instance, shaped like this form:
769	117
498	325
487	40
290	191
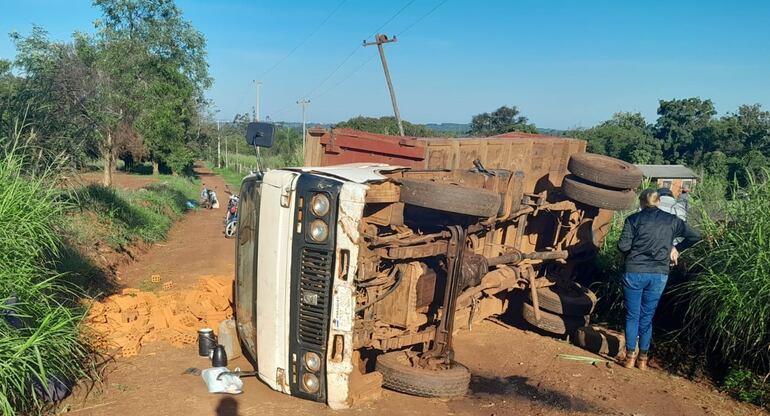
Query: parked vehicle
355	276
231	218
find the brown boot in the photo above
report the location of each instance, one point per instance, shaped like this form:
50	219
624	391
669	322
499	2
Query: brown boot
641	362
630	360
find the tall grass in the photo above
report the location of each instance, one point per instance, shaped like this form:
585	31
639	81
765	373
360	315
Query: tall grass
39	335
728	294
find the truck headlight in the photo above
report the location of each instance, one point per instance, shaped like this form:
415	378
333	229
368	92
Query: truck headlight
312	361
319	231
320	204
310	383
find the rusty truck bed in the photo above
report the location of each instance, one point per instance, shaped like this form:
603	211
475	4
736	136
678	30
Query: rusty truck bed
543	159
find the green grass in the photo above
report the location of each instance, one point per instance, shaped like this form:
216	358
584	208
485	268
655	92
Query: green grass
39	327
728	292
231	177
121	217
718	313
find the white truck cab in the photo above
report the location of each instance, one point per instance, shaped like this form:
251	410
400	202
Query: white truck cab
296	306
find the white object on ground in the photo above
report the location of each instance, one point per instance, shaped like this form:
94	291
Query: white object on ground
228	383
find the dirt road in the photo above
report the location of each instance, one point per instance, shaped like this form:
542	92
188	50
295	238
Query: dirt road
515	372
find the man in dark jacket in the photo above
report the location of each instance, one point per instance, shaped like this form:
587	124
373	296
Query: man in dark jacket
647	243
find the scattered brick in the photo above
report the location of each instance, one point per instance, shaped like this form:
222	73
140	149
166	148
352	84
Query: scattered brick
134	318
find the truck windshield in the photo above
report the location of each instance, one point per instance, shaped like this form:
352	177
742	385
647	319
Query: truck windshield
246	263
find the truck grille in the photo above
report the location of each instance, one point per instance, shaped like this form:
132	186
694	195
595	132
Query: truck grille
315	280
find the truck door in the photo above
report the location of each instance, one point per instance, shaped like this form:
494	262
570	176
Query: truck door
246	264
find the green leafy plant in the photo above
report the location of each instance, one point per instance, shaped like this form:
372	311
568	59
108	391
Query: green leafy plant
728	294
39	326
746	386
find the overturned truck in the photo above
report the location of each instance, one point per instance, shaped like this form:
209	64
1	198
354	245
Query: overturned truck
355	273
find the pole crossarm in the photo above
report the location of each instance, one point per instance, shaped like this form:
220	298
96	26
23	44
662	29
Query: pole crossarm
379	41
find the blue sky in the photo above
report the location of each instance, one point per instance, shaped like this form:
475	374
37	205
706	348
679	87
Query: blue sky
563	63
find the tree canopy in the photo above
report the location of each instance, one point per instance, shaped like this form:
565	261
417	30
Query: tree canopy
134	89
503	120
385	125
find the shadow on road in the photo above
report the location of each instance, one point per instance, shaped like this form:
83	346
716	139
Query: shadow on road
227	407
517	386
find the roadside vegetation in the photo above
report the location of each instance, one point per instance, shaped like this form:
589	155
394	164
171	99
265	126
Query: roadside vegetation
48	232
237	160
40	340
713	320
124	216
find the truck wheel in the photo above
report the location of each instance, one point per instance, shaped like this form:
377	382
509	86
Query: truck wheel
605	170
450	198
600	341
572	300
399	375
549	322
595	196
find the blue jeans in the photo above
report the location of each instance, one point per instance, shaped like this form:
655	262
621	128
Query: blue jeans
642	292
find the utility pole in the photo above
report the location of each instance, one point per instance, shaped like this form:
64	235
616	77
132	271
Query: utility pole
219	148
303	102
256	111
379	41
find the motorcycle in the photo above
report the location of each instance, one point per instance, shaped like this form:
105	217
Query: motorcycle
231	219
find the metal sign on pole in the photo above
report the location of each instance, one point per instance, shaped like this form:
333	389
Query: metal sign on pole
379	41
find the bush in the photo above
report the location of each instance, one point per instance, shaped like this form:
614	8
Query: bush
728	294
746	386
39	335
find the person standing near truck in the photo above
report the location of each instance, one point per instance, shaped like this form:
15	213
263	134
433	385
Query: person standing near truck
647	244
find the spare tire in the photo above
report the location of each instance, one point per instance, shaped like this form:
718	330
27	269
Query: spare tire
550	322
399	375
571	300
605	170
450	198
577	190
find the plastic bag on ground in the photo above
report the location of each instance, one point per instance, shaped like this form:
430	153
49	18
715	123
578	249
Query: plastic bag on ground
228	383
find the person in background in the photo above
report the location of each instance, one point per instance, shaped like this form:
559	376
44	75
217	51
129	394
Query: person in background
669	204
647	244
684	197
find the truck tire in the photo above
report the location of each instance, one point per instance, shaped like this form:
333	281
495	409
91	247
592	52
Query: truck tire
605	170
592	195
550	322
399	375
600	341
572	300
450	198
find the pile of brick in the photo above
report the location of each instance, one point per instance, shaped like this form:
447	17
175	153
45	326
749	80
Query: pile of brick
133	318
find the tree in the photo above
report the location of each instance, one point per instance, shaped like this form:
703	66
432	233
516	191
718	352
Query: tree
625	136
746	130
683	126
385	125
503	120
159	65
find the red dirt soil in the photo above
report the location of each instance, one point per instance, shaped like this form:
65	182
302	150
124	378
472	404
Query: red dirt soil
515	372
119	179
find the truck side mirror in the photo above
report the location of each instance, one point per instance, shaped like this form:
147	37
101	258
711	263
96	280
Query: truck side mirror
260	134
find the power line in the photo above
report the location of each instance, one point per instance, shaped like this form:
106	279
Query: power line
355	71
350	55
441	3
299	45
376	31
363	64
